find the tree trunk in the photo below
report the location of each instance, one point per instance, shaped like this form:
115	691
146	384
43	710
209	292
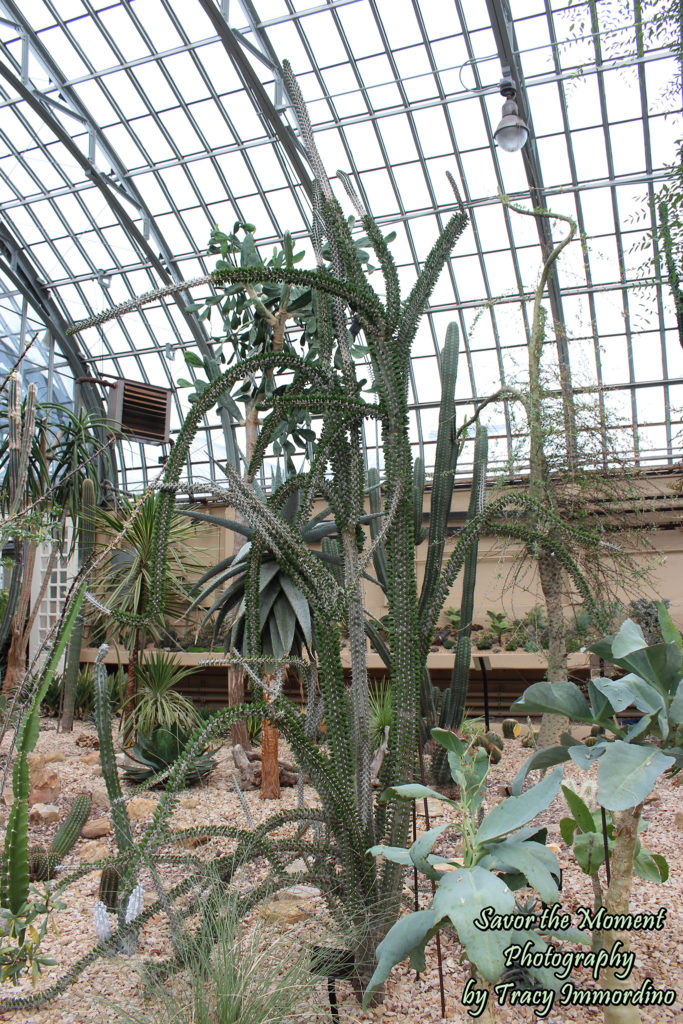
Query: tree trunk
132	684
618	901
270	768
552	726
16	655
238	731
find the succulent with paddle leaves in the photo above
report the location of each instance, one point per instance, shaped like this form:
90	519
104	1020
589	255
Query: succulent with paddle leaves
499	854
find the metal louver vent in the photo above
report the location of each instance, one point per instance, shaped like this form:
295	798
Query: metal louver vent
141	411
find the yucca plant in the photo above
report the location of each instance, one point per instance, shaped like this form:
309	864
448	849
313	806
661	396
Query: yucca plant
158	702
124	582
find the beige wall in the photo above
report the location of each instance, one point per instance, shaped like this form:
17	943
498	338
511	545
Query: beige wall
499	586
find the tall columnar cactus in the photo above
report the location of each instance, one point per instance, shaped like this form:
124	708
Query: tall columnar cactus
86	543
15	875
110	773
365	894
19	450
43	863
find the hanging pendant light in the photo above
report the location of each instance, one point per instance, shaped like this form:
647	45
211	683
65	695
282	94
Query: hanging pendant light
512	131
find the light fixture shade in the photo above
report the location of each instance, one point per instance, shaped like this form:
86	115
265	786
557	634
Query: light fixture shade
512	132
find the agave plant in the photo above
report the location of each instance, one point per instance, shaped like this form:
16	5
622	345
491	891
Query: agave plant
160	750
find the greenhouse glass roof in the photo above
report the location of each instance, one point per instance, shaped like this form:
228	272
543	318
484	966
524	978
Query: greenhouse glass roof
129	129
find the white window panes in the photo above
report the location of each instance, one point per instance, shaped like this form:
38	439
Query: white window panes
397	137
173	232
583	102
659	75
243	117
647	356
628	148
154	18
285	40
321	30
379	192
375	71
533	40
598	215
181	131
622	93
501	272
288	215
71	259
152	140
384	97
609	313
348	103
480	174
552	151
420	87
220	71
412	186
129	100
93	41
121	29
604	260
424	232
211	123
255	212
662	142
468	124
333	151
179	187
63	52
124	144
236	171
198	224
362	141
399	22
589	154
487	372
468	277
432	133
73	213
360	29
152	192
413	430
442	293
614	359
206	180
423	344
439	19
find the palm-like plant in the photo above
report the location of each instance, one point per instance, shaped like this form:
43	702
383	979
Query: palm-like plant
124	580
158	703
60	449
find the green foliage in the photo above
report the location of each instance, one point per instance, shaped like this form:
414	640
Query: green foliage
232	977
158	703
21	949
499	624
381	712
453	617
498	855
159	751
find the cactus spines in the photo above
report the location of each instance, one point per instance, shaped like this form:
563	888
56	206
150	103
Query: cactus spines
86	542
109	887
511	729
495	739
41	864
70	829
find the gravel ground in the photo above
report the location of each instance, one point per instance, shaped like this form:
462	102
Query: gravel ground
115	980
